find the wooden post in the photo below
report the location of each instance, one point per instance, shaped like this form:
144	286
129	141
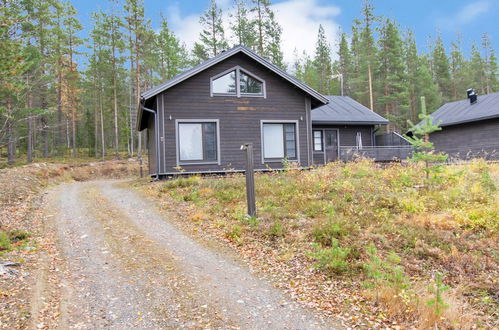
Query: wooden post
250	179
140	167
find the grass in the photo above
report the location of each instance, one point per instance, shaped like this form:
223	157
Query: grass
384	226
11	239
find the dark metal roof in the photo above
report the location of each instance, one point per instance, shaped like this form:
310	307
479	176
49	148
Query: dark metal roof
226	54
344	110
460	112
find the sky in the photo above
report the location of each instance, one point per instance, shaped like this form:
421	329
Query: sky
300	19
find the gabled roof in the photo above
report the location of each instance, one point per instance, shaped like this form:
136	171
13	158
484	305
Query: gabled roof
224	55
344	110
460	112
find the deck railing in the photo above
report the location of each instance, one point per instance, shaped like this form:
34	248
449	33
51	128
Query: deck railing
378	153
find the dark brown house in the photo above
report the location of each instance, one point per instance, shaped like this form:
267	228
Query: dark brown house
470	127
197	122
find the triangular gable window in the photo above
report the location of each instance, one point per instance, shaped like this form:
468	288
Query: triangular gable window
237	82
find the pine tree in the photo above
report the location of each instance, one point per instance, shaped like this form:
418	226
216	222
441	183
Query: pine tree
242	26
490	65
171	55
137	27
114	40
345	63
392	74
269	32
322	62
368	50
13	65
477	70
212	36
458	69
441	70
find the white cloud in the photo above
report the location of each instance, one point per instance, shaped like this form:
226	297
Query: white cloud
466	14
299	19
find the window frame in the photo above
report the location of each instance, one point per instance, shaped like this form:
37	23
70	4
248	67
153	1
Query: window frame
177	141
321	137
297	141
238	93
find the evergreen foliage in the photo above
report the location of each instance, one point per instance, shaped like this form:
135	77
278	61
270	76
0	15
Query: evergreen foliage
61	94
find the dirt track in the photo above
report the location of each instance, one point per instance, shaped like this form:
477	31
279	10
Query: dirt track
126	266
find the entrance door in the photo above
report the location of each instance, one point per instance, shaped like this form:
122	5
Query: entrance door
331	143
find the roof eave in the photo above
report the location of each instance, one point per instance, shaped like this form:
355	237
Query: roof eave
329	122
469	120
161	88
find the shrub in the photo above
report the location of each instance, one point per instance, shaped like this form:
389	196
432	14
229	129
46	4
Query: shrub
18	235
181	183
333	260
324	232
4	241
234	234
437	302
276	230
384	273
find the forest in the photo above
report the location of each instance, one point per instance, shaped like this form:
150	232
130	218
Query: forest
66	95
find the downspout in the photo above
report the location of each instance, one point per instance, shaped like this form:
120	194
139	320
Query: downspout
156	136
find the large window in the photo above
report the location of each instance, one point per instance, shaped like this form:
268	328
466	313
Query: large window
318	145
279	141
237	82
225	84
197	142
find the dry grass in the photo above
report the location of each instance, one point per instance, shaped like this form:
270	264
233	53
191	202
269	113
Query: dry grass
448	224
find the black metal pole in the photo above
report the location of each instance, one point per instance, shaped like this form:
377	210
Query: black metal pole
250	179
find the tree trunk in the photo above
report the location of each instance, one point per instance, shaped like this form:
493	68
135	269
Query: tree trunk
131	92
115	97
103	144
10	135
260	27
29	156
137	87
73	130
45	135
371	102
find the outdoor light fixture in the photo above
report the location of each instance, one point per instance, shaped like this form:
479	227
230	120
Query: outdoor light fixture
170	117
301	118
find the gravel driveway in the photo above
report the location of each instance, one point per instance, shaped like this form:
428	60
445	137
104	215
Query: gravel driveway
127	266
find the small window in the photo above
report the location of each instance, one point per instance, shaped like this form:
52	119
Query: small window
279	141
250	85
225	84
318	141
197	142
237	82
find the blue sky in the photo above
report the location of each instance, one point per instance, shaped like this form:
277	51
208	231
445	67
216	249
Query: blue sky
301	18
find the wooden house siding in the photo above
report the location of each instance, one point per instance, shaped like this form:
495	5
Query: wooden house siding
239	118
469	140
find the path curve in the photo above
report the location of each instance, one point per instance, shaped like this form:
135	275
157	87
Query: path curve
130	267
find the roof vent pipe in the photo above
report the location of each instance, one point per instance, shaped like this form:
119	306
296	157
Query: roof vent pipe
469	91
472	96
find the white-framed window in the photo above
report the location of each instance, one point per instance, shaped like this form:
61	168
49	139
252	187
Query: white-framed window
225	84
197	141
237	82
318	141
280	141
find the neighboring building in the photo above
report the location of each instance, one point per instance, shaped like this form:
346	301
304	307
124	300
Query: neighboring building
344	128
198	121
470	127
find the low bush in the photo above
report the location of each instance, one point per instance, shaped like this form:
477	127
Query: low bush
4	241
333	260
